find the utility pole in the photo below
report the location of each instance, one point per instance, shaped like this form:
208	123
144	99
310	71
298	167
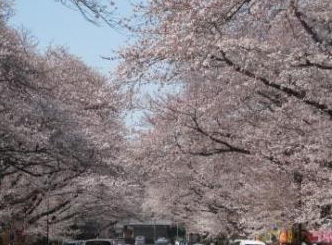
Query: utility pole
47	221
47	210
154	231
177	231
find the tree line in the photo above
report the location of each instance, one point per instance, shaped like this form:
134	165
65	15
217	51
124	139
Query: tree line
241	143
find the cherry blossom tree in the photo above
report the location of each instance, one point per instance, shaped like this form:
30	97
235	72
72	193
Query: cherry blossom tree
62	140
256	101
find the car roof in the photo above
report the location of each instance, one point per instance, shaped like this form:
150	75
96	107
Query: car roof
249	241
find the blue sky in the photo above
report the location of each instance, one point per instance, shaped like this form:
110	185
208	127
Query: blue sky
52	23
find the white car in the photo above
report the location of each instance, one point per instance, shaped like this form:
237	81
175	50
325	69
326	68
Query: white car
246	242
140	240
98	242
162	241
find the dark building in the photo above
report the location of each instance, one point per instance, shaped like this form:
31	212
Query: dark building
151	230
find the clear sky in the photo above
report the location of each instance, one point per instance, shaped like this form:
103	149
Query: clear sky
53	23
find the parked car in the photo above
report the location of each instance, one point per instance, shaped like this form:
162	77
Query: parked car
246	242
98	242
162	241
118	241
140	240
